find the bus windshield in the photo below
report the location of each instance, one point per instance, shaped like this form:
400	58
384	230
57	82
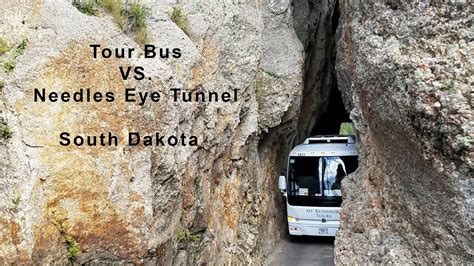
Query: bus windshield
316	181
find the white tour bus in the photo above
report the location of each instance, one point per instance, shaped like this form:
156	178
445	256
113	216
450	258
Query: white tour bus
313	186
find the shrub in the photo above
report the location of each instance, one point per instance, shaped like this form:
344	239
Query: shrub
136	15
449	87
2	84
20	48
9	65
130	17
72	248
4	47
116	9
5	131
16	201
179	19
346	129
88	7
187	236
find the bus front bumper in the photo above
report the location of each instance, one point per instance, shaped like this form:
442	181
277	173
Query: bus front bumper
313	228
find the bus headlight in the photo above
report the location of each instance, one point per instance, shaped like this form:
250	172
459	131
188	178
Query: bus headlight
292	219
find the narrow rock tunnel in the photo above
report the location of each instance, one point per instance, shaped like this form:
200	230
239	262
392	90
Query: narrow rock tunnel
329	122
322	112
332	112
403	166
323	109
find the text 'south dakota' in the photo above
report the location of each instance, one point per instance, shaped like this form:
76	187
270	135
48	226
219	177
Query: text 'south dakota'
131	139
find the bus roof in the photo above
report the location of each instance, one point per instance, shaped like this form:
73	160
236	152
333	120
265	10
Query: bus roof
326	146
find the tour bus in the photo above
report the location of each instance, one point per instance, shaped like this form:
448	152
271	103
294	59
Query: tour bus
312	187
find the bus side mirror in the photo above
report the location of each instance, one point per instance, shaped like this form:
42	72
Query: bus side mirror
282	183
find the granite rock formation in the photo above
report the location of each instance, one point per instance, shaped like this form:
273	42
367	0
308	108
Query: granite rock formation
405	71
214	203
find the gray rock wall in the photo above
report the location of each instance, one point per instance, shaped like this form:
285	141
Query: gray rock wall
215	203
315	28
405	70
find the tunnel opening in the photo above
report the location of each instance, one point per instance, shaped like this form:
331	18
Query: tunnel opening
335	116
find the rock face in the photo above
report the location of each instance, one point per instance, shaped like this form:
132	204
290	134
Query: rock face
405	74
405	70
215	203
315	24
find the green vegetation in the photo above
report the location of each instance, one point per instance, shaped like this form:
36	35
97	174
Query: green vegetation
88	7
16	201
20	48
4	47
129	18
116	9
346	129
2	84
449	87
271	73
113	7
73	249
137	15
187	236
5	131
10	64
179	19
